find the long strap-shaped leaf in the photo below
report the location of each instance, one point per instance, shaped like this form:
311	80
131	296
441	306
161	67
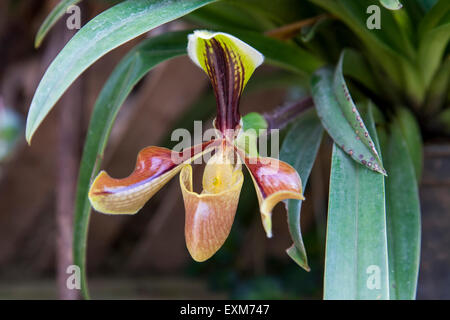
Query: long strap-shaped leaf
300	149
350	110
356	265
432	48
435	14
332	110
130	70
105	32
434	35
407	123
403	213
388	48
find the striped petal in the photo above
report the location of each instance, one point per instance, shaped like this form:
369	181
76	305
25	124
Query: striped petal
210	215
155	166
229	63
274	181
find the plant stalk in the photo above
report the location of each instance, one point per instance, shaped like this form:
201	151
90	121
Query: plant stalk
282	116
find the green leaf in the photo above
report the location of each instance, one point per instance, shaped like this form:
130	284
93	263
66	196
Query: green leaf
253	125
52	18
407	31
410	130
105	32
433	16
356	67
391	4
300	149
341	131
223	15
349	109
257	15
255	121
356	263
434	35
130	70
280	12
280	53
432	47
439	88
387	48
403	215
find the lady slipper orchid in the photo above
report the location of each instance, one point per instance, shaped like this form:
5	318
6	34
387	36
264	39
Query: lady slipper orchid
229	63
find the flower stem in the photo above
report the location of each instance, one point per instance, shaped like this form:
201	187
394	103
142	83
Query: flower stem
282	116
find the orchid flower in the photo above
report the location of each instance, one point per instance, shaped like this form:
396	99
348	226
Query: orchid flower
229	63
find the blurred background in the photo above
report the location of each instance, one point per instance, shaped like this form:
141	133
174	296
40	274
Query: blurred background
144	256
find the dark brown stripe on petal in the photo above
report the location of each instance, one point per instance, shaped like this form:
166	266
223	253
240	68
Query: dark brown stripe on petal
226	71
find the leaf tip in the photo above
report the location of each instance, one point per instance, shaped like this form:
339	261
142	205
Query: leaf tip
392	4
29	132
37	43
28	138
302	261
